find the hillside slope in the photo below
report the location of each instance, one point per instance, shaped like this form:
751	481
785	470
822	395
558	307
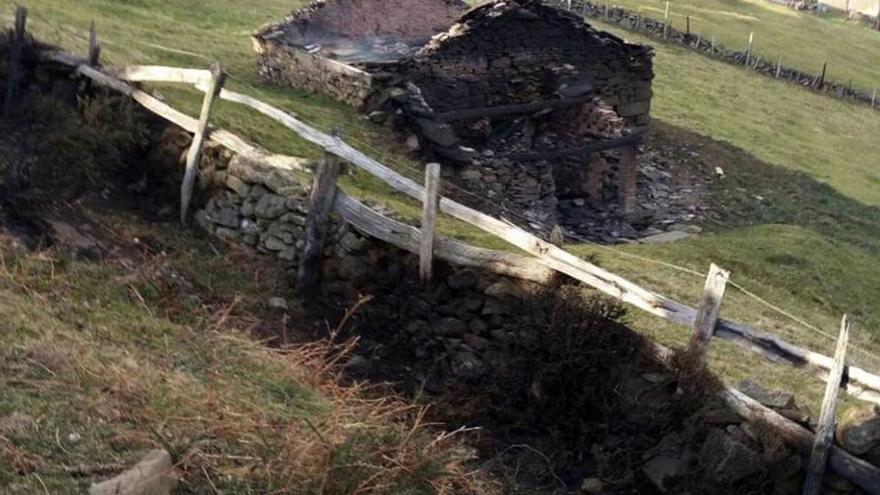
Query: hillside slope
808	157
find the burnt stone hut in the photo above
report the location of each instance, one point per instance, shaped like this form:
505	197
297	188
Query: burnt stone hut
531	103
340	47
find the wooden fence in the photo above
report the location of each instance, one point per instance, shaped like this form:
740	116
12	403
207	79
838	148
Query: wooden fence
545	260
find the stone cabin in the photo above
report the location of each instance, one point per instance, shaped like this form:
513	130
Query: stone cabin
519	96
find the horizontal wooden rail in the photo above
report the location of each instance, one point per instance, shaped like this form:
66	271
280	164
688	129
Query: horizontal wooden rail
455	252
153	73
863	384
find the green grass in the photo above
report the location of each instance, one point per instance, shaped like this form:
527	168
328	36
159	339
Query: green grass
810	247
805	41
102	360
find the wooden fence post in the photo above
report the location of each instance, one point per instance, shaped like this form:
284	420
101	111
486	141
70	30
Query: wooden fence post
429	221
874	97
749	49
710	306
94	47
778	67
687	35
825	432
822	77
713	43
195	149
318	219
18	41
639	19
666	22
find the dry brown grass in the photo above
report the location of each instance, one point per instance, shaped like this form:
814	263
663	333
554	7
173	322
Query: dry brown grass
115	353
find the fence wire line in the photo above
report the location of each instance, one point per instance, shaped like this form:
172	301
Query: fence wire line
388	158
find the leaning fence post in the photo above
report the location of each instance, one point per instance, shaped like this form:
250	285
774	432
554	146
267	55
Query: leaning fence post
825	433
195	149
14	59
822	77
710	306
429	221
318	219
94	47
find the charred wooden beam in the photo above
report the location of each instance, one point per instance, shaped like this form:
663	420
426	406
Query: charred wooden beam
519	108
533	156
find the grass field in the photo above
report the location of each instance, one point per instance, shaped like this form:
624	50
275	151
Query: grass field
153	346
805	41
812	247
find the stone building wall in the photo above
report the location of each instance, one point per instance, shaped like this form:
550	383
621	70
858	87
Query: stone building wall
517	52
290	66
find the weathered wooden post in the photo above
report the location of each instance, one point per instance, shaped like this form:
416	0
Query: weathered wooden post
318	219
699	40
639	19
713	43
749	49
687	35
94	47
710	306
429	221
666	22
195	149
778	66
557	236
874	97
825	433
822	77
18	41
628	176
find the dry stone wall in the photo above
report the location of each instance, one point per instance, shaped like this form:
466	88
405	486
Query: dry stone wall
634	21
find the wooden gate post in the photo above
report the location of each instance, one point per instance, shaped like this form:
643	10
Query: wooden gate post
318	220
15	59
195	150
710	306
825	433
429	221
